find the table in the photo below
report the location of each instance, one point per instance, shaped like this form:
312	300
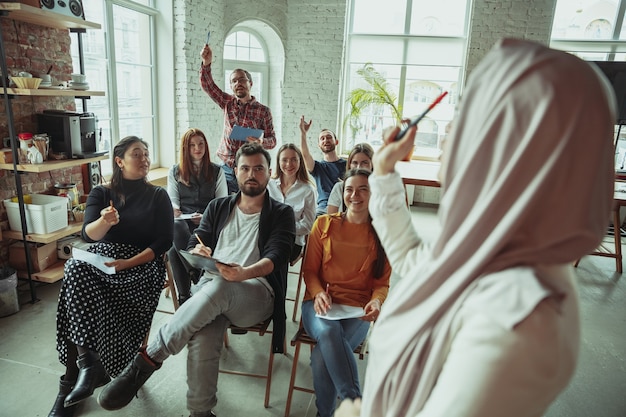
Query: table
419	172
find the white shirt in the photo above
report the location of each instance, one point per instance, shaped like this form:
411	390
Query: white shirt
302	197
336	196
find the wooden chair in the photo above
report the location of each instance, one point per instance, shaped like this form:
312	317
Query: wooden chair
170	291
298	339
616	251
299	259
261	329
169	286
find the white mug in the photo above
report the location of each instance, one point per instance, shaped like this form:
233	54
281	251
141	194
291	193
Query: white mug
46	78
34	156
79	78
25	74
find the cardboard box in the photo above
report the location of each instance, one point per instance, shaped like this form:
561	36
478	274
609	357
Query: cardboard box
42	256
6	156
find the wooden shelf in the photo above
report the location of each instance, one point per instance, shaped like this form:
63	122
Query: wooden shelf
42	17
46	237
49	275
52	165
50	92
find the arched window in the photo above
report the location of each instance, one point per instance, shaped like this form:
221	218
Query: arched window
244	49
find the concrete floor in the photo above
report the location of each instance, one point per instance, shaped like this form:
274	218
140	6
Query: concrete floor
29	369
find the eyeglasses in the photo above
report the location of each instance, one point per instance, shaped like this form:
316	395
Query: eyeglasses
241	80
140	155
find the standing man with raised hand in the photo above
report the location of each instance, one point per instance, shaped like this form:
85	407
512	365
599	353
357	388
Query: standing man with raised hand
241	109
326	172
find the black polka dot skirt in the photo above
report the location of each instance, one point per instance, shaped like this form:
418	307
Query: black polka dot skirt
109	314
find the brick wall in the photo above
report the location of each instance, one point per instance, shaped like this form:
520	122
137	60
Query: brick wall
33	48
494	19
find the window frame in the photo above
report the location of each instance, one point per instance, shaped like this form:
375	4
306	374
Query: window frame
112	81
406	63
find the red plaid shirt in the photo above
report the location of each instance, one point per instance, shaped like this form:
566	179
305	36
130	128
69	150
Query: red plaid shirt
251	114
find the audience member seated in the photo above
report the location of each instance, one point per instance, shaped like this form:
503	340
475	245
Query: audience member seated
292	185
344	265
360	157
326	172
191	184
102	317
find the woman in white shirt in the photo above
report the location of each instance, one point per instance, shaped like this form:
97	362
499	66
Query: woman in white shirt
291	184
485	322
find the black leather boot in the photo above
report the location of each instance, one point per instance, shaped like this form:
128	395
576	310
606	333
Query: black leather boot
58	410
91	375
122	389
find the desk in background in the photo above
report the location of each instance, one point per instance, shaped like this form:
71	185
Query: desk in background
422	173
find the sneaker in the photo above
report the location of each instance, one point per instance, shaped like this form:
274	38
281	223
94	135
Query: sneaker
119	392
209	414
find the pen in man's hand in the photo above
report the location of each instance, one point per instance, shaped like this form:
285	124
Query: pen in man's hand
199	240
327	285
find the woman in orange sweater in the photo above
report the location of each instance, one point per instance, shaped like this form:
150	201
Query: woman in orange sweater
345	265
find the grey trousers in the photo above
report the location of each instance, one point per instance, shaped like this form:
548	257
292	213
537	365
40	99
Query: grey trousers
200	323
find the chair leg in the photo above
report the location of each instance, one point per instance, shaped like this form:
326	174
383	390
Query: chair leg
617	238
268	383
297	300
292	379
171	287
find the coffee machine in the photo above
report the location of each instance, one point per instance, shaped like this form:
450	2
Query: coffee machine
72	134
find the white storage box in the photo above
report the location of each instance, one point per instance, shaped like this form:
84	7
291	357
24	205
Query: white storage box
46	214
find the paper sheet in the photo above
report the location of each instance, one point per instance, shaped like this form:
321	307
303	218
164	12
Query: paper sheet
94	259
340	311
187	216
242	133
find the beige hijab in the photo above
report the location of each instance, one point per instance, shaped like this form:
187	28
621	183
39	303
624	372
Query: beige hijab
528	181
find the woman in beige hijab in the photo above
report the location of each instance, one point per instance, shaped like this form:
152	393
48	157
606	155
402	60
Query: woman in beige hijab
485	322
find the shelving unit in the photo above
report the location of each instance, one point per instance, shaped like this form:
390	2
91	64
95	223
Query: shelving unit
37	16
52	92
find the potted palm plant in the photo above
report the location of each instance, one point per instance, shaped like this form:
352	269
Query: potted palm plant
378	93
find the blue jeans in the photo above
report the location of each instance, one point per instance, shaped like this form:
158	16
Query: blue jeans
333	363
231	179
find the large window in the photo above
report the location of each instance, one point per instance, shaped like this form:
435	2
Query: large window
594	30
119	60
243	49
418	50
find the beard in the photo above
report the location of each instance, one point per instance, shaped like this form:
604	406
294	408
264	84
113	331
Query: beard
330	149
252	188
241	94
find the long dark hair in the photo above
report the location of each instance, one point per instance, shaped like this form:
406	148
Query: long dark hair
302	174
116	178
185	163
381	256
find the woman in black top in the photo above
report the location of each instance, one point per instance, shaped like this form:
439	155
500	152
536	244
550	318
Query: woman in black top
102	318
191	184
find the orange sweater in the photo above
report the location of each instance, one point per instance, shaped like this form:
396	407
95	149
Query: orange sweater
342	255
